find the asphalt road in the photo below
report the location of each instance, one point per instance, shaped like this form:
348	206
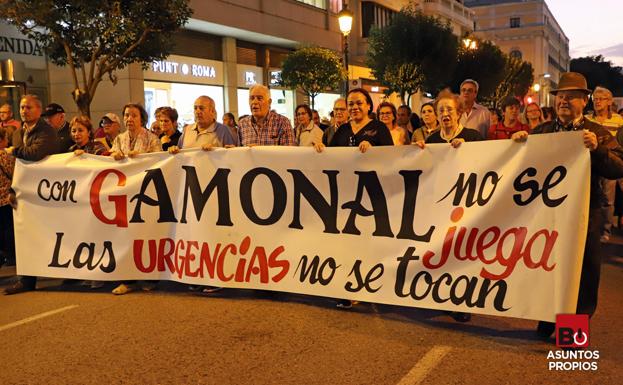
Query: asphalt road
72	335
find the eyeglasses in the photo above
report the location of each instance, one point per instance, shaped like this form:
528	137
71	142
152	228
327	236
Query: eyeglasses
601	99
385	113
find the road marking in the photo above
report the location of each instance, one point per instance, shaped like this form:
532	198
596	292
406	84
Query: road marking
427	363
36	317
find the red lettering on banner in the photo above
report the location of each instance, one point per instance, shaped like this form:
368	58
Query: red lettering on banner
180	258
120	201
490	238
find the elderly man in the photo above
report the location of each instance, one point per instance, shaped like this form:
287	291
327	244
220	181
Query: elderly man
606	161
602	102
475	116
55	115
264	127
340	116
35	141
206	132
6	120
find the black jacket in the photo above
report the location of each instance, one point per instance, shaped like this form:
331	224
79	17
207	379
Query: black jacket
606	160
40	142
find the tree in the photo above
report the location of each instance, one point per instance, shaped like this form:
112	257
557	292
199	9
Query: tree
518	77
413	52
313	70
485	64
599	72
96	38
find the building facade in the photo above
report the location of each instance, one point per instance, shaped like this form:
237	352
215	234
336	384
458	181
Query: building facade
525	29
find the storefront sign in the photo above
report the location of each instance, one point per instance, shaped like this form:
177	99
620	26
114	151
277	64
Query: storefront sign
18	47
249	75
275	78
186	70
398	225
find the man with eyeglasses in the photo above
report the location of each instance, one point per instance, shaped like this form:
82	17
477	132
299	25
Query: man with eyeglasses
475	115
602	103
264	127
340	116
571	98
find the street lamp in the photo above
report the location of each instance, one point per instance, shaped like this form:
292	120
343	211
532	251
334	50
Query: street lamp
345	18
539	88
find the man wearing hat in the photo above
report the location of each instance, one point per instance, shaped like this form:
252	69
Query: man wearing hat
55	115
571	97
109	128
511	124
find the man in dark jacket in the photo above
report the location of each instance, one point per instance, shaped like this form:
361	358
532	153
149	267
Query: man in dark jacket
606	161
33	142
54	115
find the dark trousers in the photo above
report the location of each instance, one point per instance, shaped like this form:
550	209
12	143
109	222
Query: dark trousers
7	234
591	266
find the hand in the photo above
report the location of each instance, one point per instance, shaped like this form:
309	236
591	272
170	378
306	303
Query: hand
165	139
229	146
9	150
456	142
420	143
519	136
173	150
207	147
78	152
590	140
319	147
252	144
117	155
132	153
364	146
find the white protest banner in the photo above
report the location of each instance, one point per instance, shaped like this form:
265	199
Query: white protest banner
491	227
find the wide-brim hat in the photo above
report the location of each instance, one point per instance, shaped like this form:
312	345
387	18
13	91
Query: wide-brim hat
571	81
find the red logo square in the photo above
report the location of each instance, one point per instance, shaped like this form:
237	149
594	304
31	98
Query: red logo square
572	330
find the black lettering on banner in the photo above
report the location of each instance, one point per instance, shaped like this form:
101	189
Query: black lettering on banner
156	178
90	262
56	191
471	291
559	173
200	198
461	187
369	181
279	196
373	274
412	182
316	272
325	210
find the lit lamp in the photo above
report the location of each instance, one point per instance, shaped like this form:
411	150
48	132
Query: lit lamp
345	18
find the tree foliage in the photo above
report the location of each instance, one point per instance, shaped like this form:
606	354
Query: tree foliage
313	70
518	76
96	38
412	42
486	64
599	72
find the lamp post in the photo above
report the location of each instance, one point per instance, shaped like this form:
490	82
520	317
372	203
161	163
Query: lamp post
345	18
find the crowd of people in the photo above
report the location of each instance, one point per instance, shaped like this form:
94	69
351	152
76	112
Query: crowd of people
450	118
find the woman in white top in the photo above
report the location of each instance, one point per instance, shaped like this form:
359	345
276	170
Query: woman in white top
137	139
307	132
